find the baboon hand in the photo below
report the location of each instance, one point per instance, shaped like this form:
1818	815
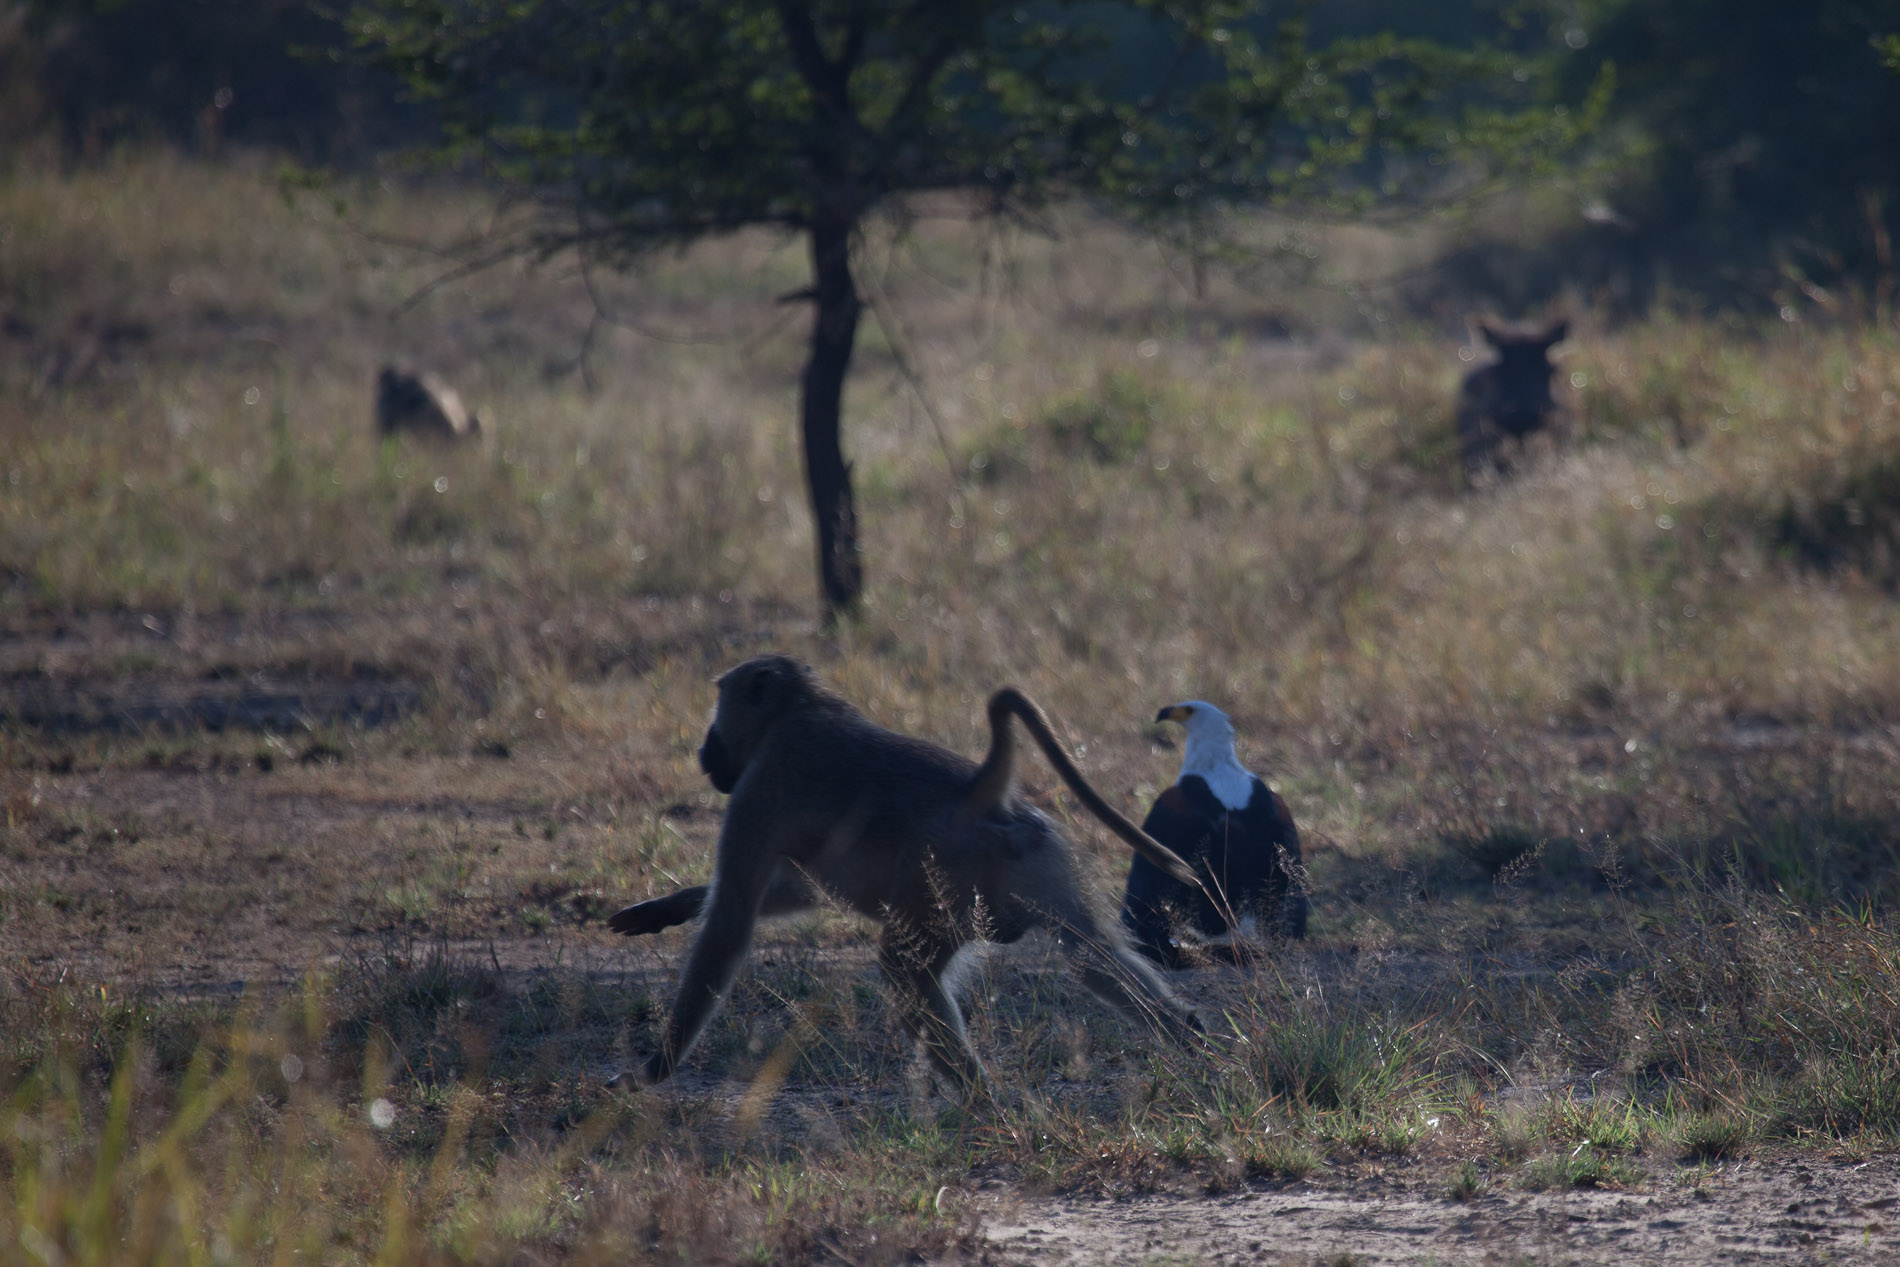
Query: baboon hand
657	913
639	919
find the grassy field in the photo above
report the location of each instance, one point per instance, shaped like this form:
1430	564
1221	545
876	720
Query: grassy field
323	758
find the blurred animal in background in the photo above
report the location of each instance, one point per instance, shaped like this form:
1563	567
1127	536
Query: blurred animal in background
939	849
1509	399
421	404
1236	833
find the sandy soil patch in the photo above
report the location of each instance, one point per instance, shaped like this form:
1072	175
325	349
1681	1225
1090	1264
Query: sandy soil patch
1772	1210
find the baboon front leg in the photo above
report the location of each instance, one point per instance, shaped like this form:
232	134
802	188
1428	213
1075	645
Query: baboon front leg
724	937
913	961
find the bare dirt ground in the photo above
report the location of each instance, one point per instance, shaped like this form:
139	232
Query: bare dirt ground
1776	1209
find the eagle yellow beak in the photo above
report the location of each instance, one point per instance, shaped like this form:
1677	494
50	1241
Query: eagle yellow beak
1175	712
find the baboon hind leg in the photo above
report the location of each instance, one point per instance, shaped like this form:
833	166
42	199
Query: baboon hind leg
1115	973
914	961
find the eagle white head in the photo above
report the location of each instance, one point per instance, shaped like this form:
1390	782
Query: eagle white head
1209	751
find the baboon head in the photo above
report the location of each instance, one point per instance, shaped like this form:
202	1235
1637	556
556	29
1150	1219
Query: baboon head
752	696
1520	381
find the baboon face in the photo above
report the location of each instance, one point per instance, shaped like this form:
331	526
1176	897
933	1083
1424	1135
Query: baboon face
717	762
751	698
1521	377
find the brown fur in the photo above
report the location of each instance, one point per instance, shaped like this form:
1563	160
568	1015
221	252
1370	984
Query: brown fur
937	848
422	404
1509	399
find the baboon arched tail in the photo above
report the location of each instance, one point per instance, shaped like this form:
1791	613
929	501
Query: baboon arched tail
996	777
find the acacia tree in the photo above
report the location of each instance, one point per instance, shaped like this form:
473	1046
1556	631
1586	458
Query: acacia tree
649	123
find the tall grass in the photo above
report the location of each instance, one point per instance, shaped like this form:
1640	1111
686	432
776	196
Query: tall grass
335	1123
292	1130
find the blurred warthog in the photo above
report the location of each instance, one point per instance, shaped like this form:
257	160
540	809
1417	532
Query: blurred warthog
1509	398
422	404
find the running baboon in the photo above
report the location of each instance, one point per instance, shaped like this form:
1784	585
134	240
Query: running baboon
940	849
1509	398
421	404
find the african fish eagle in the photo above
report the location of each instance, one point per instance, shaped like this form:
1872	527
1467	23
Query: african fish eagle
1231	828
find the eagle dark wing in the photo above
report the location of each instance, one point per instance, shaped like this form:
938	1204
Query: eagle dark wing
1155	899
1274	842
1250	856
1179	820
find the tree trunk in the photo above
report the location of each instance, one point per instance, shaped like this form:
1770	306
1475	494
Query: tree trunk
821	406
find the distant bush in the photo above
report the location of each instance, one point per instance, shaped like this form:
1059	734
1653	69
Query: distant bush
1122	417
268	73
1758	142
1111	424
1849	524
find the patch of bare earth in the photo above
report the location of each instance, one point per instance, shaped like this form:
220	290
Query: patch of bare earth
1776	1209
198	816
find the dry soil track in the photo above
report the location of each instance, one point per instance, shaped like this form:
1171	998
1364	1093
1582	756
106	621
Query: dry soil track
1780	1209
